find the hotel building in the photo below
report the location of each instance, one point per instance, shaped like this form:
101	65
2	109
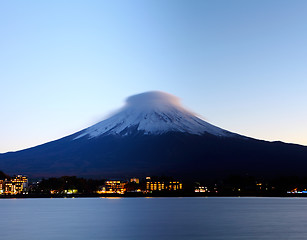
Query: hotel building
162	185
116	186
15	185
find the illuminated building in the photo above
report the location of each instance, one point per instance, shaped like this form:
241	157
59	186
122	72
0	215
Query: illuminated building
201	189
136	180
15	185
54	191
259	185
116	186
71	191
1	186
134	186
162	185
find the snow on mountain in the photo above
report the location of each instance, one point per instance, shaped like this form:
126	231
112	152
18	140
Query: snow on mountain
152	113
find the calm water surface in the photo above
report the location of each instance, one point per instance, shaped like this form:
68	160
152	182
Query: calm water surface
153	218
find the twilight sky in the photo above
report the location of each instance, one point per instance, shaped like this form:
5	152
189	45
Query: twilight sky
64	65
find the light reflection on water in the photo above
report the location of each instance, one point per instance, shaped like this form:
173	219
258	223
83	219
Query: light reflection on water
153	218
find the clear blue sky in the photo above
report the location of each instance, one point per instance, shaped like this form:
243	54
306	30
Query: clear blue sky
65	65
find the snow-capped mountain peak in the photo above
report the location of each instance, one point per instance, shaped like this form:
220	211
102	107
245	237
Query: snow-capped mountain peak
152	113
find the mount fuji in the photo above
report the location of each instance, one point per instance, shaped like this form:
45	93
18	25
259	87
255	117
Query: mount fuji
154	135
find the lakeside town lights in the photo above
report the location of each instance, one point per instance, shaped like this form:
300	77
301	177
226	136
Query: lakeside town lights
15	185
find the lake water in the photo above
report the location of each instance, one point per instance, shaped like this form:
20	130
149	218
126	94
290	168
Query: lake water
153	218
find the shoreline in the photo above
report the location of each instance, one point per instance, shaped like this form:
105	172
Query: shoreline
137	195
